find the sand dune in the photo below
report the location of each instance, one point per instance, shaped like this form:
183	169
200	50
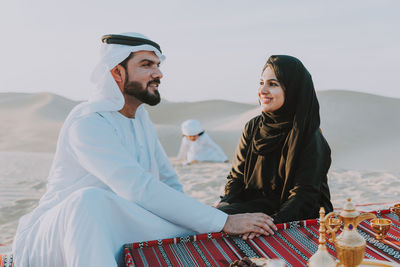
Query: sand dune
362	129
31	122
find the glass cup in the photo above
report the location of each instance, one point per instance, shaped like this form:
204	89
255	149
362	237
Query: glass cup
380	227
396	210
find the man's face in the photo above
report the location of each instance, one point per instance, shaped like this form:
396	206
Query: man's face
143	77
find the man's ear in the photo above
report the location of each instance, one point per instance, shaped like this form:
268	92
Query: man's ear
118	73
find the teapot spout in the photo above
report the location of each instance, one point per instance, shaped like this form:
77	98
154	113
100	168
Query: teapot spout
364	216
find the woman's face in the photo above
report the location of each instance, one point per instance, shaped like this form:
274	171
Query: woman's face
270	93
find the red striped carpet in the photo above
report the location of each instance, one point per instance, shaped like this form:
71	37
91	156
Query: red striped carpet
6	261
294	242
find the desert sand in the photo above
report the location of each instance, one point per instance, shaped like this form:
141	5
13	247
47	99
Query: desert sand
362	129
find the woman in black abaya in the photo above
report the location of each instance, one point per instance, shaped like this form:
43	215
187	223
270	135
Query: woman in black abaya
281	162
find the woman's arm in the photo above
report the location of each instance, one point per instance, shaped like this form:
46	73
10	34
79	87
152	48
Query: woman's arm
309	184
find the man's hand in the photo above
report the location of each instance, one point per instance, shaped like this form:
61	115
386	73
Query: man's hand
249	224
221	204
245	262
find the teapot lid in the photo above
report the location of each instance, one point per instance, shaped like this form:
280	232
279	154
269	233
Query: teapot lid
349	210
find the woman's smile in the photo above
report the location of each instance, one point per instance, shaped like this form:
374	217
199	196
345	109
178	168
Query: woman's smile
265	100
270	92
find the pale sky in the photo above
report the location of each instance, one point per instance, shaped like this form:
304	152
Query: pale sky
215	49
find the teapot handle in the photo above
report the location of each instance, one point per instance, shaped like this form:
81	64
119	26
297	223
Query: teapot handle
331	231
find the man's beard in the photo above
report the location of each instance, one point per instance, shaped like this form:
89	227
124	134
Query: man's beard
136	89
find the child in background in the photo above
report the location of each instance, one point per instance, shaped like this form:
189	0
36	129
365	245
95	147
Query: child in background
197	146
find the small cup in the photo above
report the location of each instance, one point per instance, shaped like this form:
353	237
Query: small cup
380	227
334	223
396	210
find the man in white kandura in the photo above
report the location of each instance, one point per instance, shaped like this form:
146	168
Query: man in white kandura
197	146
111	182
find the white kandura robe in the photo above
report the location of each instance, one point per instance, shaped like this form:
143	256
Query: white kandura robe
111	183
203	149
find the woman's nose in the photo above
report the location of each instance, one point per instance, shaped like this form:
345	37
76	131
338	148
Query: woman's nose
263	89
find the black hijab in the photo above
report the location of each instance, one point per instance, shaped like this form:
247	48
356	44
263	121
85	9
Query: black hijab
288	128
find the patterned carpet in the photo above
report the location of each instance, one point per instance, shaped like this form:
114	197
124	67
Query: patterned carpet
6	260
294	242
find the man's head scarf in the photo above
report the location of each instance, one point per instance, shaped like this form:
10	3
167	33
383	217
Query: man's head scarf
107	96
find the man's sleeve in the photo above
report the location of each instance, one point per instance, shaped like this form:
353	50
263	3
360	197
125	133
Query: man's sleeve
96	146
167	172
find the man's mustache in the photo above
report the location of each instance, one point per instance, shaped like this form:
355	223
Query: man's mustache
156	80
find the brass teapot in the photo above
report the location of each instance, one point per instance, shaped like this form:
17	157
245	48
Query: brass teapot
350	245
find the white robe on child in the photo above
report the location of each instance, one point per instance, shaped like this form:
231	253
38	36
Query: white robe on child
203	149
110	183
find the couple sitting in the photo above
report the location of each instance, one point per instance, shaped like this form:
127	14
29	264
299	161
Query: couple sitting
111	182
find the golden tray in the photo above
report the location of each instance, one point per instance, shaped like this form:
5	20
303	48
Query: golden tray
377	263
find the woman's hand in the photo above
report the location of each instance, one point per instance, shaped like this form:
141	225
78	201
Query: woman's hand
221	204
251	235
244	262
249	224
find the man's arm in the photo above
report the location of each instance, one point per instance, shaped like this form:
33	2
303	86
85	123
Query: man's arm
167	172
96	146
